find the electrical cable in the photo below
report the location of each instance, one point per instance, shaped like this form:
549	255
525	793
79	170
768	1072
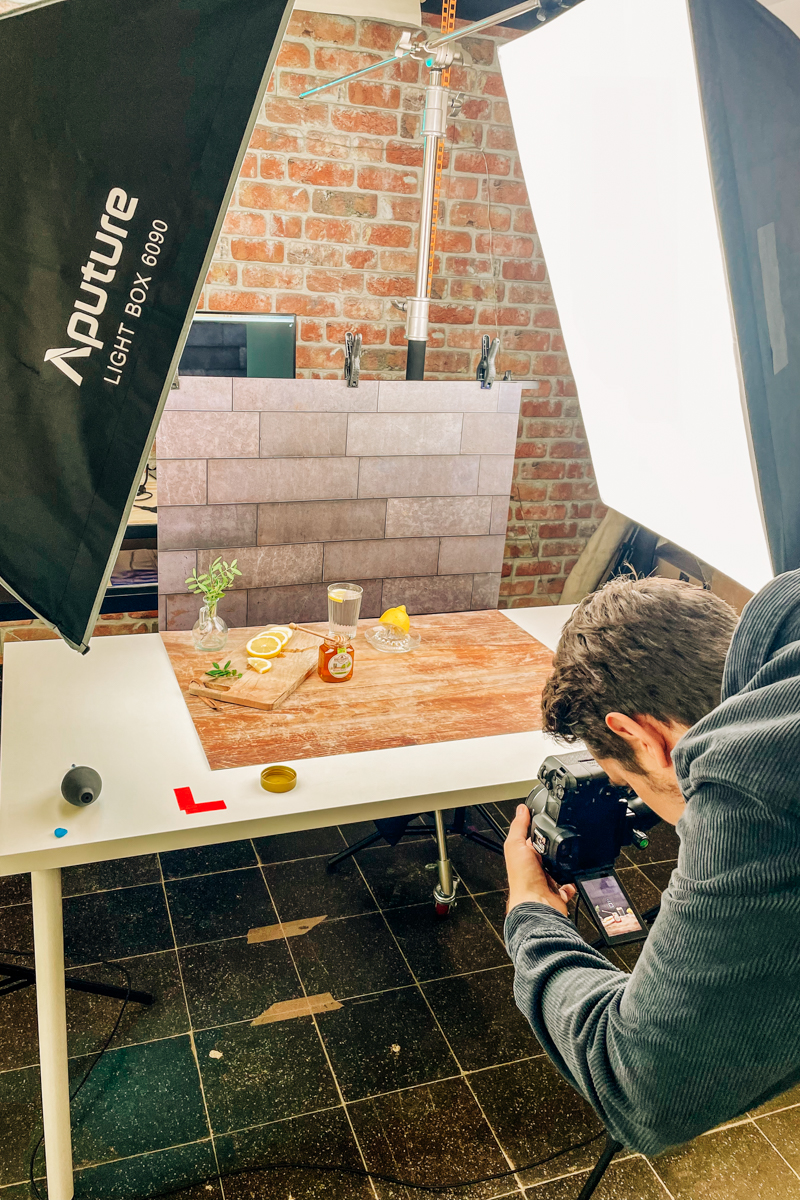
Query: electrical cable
328	1168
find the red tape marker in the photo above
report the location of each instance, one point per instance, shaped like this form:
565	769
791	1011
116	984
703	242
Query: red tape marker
186	802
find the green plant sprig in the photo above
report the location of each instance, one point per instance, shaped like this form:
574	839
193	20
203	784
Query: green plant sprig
226	672
214	583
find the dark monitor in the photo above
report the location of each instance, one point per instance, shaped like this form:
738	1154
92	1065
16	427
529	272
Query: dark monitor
258	346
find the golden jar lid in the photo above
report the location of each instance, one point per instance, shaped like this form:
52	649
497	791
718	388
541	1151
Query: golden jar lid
278	779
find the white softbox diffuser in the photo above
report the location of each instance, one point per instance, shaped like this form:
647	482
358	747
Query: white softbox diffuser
607	113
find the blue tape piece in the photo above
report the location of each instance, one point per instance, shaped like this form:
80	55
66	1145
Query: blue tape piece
61	832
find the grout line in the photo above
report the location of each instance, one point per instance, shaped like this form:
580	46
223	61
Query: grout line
775	1148
323	1046
191	1030
658	1177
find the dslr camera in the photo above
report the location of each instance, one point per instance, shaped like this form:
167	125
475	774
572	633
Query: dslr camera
579	823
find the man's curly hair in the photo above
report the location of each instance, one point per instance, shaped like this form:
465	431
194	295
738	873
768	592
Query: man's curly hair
653	647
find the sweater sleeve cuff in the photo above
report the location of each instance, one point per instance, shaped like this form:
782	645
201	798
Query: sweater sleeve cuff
531	918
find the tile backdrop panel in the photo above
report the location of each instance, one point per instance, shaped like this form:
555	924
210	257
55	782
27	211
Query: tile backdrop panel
402	486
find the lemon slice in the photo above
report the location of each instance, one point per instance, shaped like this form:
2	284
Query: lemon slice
259	664
281	631
265	645
396	616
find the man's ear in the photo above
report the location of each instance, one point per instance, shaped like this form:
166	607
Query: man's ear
644	736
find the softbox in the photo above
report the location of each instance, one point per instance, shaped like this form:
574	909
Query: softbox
125	123
665	185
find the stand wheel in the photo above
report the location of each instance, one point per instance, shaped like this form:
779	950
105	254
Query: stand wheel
442	910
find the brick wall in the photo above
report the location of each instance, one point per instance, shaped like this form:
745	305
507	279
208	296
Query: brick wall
113	623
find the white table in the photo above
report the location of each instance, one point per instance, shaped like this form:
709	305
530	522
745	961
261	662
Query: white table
119	709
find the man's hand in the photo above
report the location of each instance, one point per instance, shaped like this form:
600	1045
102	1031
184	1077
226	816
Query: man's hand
526	877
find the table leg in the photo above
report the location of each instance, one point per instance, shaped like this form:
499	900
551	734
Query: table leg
48	938
444	894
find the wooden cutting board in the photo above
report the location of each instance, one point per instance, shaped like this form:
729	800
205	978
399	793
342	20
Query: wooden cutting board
267	691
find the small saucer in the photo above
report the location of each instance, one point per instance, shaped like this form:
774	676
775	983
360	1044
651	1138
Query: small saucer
390	639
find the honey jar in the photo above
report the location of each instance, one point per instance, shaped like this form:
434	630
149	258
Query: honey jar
335	663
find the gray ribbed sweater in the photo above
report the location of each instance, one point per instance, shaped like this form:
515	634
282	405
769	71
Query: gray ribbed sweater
708	1024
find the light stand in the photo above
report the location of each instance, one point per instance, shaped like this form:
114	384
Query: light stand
437	55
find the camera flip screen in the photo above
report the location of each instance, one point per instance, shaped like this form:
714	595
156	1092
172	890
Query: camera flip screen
611	909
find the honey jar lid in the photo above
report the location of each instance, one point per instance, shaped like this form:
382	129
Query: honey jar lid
278	778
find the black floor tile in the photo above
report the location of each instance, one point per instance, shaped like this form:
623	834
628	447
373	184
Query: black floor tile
114	873
481	869
508	808
138	1099
350	957
308	843
384	1042
434	1135
117	924
324	1138
493	904
631	1179
16	933
535	1112
266	1072
663	845
234	981
204	860
20	1122
659	873
642	891
15	889
434	948
90	1019
19	1041
185	1172
729	1164
209	907
357	830
398	875
306	889
480	1019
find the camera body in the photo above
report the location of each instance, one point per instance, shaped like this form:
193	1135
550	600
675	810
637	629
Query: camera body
579	820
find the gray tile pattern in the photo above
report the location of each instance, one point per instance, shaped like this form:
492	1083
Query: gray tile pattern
400	485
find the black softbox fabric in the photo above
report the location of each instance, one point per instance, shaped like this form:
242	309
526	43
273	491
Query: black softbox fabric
749	70
124	123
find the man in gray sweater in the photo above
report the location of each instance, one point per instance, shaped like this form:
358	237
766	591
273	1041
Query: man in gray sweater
701	717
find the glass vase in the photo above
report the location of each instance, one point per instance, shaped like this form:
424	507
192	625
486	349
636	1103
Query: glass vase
210	633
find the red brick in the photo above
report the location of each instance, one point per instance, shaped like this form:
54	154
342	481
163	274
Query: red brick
405	210
249	165
378	36
272	167
558	342
569	450
585	491
504	316
534	271
523	221
566	387
506	192
398	260
311	306
384	360
245	222
533	491
477	217
500	137
358	309
278	111
536	568
561	530
293	54
320	356
223	273
345	204
361	260
405	70
373	94
410	124
475	110
544	428
381	179
328	145
559	549
531	450
447	362
581	511
334	281
324	229
322	28
501	113
397	335
239	302
294	83
468	266
492	85
465	339
354	120
530	293
311	331
455	188
452	314
545	318
504	246
517	589
342	62
474	289
551	364
323	174
272	196
320	254
258	276
520	339
389	285
257	250
482	164
453	242
404	154
388	235
371	335
480	50
540	407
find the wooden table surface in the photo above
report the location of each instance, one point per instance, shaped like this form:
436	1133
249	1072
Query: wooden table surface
474	674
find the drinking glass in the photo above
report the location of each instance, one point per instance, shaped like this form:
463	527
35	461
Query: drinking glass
344	605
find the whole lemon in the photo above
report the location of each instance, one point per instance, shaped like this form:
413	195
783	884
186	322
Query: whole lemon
396	616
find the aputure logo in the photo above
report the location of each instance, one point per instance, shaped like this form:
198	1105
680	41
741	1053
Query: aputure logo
83	326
